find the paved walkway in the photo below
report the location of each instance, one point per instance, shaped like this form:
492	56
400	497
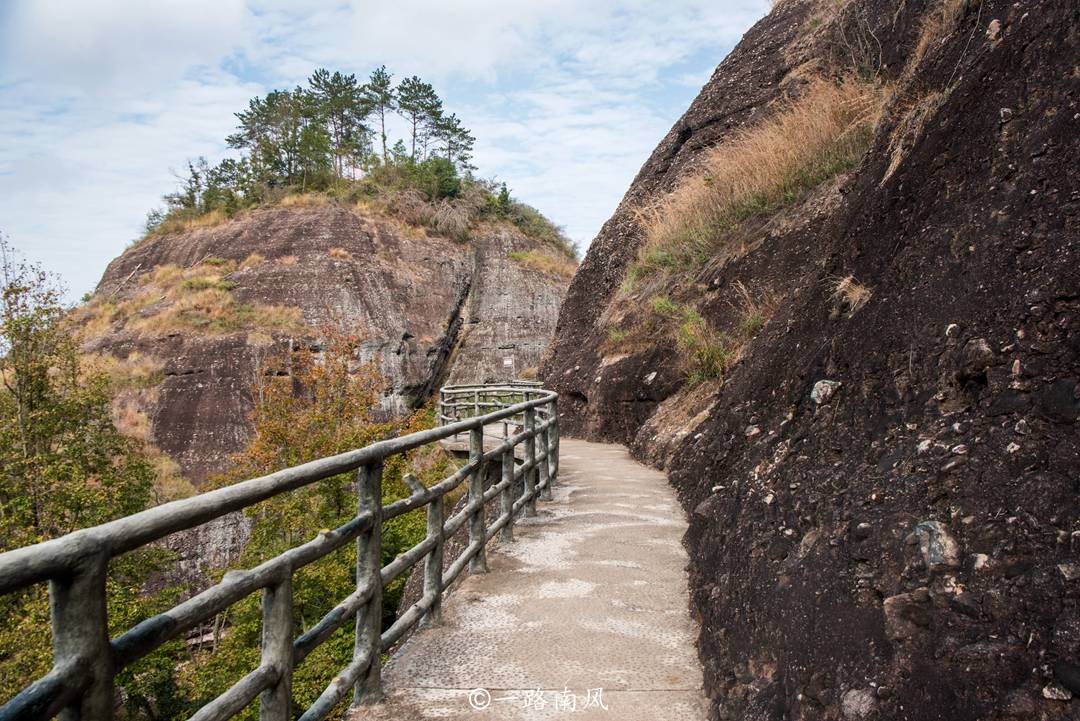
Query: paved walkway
589	600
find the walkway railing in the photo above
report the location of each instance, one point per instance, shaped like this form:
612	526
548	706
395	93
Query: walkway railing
80	685
459	402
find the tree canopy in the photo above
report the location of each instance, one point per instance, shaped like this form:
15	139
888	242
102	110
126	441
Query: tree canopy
311	137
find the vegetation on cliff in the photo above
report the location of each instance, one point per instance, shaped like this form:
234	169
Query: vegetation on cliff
197	298
65	466
332	412
816	137
330	139
71	460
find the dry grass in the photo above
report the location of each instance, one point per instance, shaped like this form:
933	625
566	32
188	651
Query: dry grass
339	253
287	260
129	418
136	371
171	298
216	311
814	139
909	130
252	261
849	295
939	22
544	262
182	224
303	200
452	220
755	308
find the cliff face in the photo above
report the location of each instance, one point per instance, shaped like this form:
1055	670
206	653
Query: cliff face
426	308
882	491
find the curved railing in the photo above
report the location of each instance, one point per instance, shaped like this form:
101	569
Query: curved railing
459	402
86	661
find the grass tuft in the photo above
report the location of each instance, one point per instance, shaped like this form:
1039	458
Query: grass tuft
820	135
545	262
850	295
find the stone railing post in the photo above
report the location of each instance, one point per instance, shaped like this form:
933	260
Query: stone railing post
542	460
554	430
530	459
477	532
433	563
506	498
368	687
80	630
277	648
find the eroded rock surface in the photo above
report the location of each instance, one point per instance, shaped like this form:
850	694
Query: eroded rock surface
939	483
426	308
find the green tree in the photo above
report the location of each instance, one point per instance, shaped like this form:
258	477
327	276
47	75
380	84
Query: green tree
421	107
316	406
288	143
457	142
345	107
379	92
63	466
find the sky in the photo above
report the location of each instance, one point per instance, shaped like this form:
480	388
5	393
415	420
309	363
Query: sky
102	100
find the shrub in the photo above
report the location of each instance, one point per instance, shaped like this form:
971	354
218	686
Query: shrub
251	261
706	351
813	139
662	305
206	282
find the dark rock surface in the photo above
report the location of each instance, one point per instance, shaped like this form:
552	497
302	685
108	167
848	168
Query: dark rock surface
896	552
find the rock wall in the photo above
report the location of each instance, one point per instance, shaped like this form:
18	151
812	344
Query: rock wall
884	501
425	307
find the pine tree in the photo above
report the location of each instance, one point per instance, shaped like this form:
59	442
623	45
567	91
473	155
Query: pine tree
379	92
345	108
418	103
456	140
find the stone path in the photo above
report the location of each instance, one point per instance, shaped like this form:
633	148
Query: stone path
587	605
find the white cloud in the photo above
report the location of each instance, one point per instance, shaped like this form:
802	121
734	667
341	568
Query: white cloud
99	98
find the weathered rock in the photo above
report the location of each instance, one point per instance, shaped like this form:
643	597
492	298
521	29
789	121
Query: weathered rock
858	703
1056	692
905	616
823	391
939	549
962	217
977	357
427	310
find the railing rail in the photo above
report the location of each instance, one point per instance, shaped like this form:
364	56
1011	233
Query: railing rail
80	685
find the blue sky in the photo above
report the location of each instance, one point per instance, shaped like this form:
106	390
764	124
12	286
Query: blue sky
101	99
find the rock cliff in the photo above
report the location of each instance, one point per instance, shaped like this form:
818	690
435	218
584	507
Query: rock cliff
883	486
209	306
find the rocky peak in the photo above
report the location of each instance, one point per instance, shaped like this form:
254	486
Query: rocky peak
210	304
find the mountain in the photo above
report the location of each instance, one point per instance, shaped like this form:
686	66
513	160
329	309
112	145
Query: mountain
839	305
191	318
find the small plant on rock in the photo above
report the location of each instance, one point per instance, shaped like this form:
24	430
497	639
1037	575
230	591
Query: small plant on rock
850	295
